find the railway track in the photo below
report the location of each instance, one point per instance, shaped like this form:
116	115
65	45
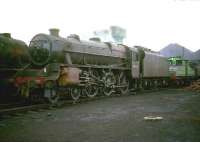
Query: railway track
15	109
9	105
22	109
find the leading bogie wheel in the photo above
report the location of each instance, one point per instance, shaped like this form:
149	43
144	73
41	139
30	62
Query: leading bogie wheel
75	93
51	95
24	90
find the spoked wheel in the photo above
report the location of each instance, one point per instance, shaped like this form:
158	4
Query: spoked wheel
123	83
92	90
24	90
51	95
75	93
109	82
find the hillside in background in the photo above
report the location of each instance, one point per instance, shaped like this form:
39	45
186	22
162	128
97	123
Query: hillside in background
175	49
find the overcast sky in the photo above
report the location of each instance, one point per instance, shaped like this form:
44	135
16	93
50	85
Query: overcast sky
150	23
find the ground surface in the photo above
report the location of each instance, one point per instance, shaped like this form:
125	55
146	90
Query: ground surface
119	119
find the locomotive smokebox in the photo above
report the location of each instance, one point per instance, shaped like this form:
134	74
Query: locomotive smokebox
8	35
54	32
13	52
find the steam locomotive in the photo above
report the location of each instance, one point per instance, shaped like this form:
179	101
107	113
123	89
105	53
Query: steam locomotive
13	56
53	67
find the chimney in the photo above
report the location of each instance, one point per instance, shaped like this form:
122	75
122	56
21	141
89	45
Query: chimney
54	32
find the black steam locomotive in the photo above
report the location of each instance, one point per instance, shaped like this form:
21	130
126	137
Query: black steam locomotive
54	67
